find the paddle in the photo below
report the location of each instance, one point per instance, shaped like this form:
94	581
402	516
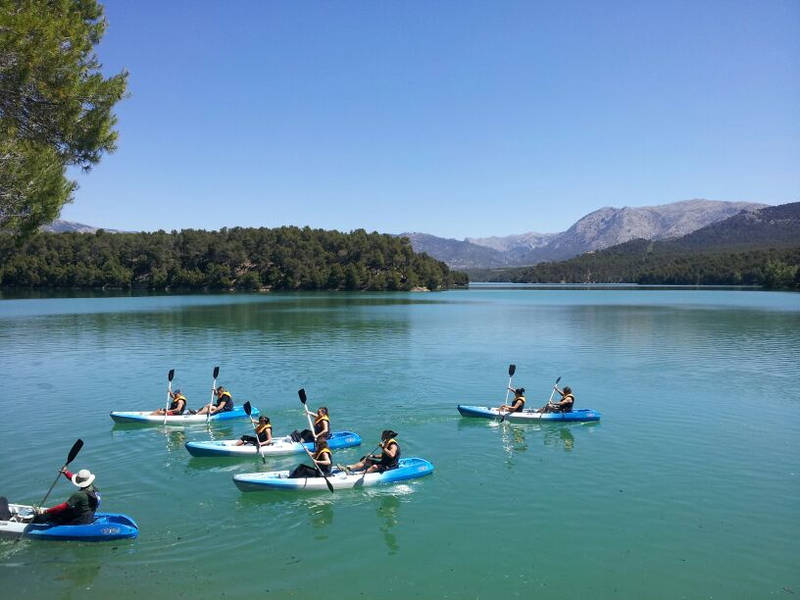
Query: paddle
511	370
553	392
76	447
302	393
249	410
213	390
170	375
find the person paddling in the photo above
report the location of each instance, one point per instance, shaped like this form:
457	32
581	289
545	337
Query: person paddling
564	405
322	457
263	431
322	427
389	458
79	508
224	403
177	405
517	404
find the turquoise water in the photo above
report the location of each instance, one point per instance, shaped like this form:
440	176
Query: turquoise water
689	487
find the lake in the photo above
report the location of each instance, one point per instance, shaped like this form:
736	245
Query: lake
688	487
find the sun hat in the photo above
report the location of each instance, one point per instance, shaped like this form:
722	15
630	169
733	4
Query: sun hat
83	478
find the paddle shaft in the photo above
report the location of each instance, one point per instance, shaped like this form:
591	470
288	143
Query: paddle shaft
554	390
318	468
248	410
170	375
511	370
213	391
76	447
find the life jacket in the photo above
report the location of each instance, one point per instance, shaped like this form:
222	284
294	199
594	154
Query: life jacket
261	432
174	405
318	455
386	460
226	398
521	406
570	400
318	425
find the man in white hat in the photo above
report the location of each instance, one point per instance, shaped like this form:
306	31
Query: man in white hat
79	507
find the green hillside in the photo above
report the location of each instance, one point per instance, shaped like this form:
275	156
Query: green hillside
284	258
751	248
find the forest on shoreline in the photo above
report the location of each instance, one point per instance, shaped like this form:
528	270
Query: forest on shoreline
649	263
249	259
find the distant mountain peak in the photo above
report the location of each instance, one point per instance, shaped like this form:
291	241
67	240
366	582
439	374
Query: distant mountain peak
602	228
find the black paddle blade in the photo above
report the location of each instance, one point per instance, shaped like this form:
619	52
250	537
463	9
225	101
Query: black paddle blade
557	380
216	372
511	369
247	408
171	374
76	447
330	486
302	393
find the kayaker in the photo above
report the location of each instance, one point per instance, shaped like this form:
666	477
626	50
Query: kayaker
322	457
79	508
564	405
176	407
322	427
224	403
263	431
517	404
389	458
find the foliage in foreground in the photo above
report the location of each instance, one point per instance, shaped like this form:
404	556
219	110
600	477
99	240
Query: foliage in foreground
284	258
55	106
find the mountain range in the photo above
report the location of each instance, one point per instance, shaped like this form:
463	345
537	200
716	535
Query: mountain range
600	229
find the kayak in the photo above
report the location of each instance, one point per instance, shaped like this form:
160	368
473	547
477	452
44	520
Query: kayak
409	468
106	526
144	416
528	415
278	447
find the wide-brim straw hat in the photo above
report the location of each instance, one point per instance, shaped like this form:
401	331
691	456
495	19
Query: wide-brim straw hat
83	478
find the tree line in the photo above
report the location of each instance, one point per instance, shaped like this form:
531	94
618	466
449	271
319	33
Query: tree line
283	258
647	262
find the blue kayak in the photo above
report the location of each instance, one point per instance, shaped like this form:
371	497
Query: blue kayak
144	416
409	468
529	416
106	527
278	447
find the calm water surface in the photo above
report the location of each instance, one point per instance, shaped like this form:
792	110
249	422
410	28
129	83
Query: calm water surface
689	487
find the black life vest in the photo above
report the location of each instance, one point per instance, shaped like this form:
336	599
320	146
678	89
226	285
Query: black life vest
226	398
569	400
318	455
521	406
175	401
261	432
386	460
319	426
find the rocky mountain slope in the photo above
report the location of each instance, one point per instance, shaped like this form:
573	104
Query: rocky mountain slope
600	229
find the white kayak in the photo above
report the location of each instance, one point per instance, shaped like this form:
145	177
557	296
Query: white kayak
144	416
279	446
409	468
528	415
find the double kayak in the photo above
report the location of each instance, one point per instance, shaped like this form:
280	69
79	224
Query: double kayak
409	468
106	527
527	416
143	416
279	446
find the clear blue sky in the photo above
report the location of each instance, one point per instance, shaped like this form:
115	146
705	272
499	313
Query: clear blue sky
451	118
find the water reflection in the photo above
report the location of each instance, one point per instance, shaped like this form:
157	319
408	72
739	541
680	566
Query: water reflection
559	437
320	516
513	439
79	575
387	510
